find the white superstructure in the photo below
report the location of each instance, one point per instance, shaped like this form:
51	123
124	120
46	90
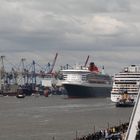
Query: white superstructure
128	79
49	80
77	75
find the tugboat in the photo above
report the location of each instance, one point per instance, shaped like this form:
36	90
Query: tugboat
125	100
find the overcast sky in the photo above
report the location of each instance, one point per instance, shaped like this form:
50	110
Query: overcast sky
107	30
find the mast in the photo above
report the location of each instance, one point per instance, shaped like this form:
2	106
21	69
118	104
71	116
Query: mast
34	74
2	62
23	69
2	73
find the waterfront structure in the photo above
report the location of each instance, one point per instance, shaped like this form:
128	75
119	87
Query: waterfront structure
133	131
126	80
85	82
27	77
49	80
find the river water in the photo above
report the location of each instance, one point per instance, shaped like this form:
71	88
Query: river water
57	117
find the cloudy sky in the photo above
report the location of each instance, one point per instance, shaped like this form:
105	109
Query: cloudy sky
106	30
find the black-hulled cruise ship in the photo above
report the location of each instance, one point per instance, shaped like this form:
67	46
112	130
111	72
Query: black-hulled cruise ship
85	82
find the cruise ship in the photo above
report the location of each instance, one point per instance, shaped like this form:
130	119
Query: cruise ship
126	80
86	82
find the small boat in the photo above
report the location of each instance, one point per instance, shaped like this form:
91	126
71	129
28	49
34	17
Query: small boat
20	96
20	93
125	101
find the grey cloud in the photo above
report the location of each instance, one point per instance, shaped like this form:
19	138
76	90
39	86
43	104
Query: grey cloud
103	28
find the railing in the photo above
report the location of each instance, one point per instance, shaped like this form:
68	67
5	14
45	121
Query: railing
135	117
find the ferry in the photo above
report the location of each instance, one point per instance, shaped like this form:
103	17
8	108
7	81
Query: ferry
86	82
126	80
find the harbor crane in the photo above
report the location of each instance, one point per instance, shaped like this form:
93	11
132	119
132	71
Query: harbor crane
53	64
86	61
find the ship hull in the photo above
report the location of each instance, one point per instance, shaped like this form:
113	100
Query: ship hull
85	91
125	104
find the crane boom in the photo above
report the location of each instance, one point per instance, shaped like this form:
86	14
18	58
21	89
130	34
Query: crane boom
54	61
86	61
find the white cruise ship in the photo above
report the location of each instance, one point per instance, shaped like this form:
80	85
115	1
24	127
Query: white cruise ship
128	79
